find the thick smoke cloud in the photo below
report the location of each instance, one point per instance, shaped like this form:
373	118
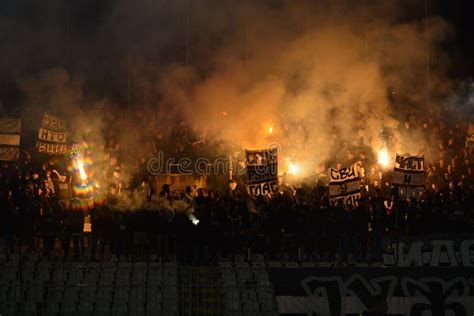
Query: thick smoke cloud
328	75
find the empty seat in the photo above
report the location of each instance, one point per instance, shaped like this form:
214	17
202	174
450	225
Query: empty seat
136	307
104	294
85	308
139	276
88	294
107	277
91	277
228	277
153	307
68	307
71	294
121	294
250	306
76	276
257	257
119	307
60	275
43	274
35	291
27	273
241	264
55	293
123	277
10	308
51	308
102	308
29	308
44	264
154	277
138	293
15	292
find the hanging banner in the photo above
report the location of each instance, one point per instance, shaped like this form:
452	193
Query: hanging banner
409	175
373	291
344	184
10	130
409	171
262	171
10	126
52	135
53	122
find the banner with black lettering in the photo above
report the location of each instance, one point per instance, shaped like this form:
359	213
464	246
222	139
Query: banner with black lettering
10	130
262	171
344	184
409	175
52	135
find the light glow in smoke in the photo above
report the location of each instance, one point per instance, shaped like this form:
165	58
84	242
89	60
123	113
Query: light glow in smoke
293	168
383	157
270	129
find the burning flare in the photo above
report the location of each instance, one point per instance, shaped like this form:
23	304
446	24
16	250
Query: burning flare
383	157
294	169
82	172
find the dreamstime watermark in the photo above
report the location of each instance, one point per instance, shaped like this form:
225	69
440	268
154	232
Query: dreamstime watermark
267	164
187	166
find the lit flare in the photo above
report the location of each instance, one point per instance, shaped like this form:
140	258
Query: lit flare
383	158
82	171
294	169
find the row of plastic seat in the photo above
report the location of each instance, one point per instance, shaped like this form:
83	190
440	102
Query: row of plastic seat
246	288
57	288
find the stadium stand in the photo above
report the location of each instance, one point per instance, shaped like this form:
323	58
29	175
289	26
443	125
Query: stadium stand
29	286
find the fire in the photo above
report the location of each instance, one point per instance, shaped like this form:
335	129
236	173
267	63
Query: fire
82	171
383	157
294	169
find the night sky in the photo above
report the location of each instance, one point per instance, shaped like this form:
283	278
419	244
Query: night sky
102	63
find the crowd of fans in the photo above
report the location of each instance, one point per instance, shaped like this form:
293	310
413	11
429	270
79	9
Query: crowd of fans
43	208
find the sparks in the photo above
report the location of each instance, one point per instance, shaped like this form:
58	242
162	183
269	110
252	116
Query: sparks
383	157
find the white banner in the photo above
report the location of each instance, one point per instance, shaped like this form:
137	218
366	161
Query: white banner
10	130
12	140
409	171
10	126
52	135
344	184
262	171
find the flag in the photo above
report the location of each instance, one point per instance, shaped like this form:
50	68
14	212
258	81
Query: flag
344	184
262	171
10	130
409	175
52	135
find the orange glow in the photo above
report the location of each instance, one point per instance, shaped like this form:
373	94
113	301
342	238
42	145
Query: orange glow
383	157
294	169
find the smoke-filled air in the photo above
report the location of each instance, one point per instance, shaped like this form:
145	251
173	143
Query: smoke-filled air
326	80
